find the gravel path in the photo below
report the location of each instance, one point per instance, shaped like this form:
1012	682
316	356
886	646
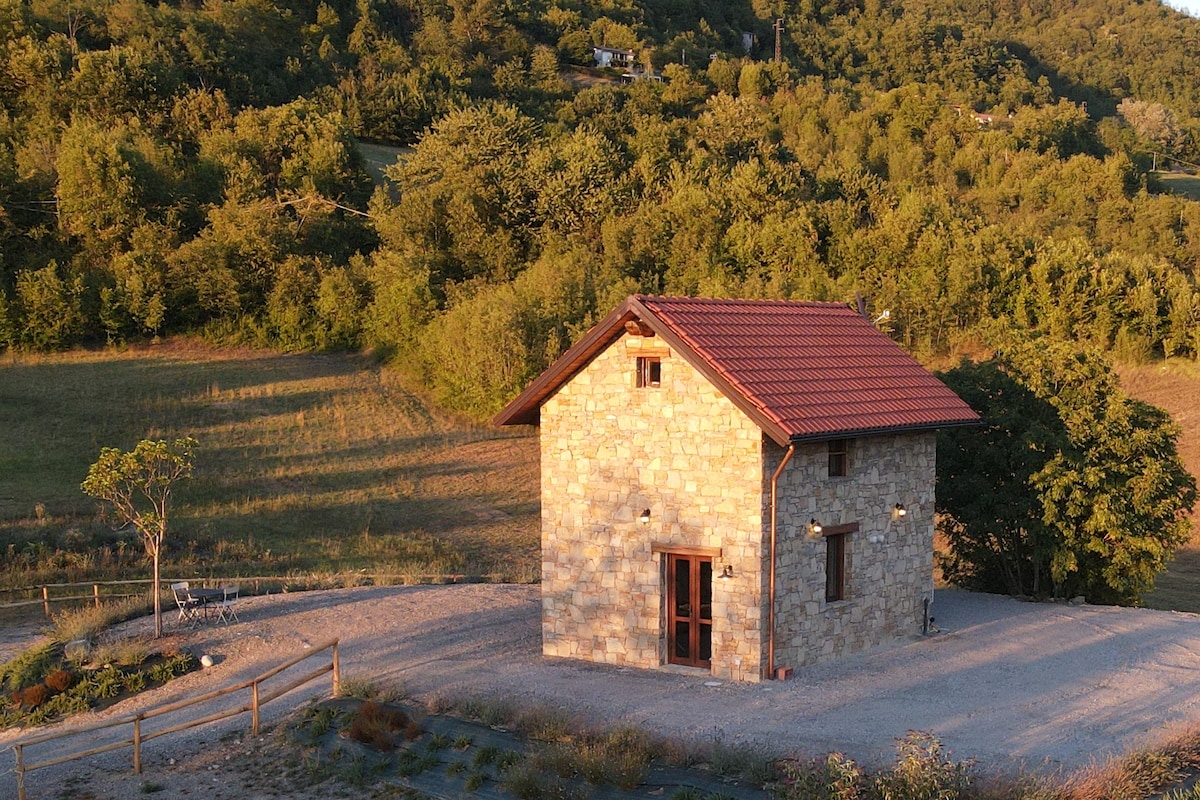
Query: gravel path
1016	685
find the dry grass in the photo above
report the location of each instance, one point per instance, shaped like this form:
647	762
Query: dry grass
1180	183
306	463
1140	774
1175	386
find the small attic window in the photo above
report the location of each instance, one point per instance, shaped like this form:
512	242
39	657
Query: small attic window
839	458
649	371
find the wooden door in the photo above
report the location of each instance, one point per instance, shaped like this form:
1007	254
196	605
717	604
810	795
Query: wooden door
689	610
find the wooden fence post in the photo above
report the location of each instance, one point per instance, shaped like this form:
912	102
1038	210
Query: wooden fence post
46	600
96	593
337	672
137	745
20	772
254	708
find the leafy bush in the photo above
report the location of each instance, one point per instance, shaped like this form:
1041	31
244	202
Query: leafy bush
921	772
29	667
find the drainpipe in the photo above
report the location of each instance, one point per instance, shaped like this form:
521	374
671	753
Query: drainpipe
774	527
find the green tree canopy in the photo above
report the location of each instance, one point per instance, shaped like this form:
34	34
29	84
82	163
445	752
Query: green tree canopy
1069	488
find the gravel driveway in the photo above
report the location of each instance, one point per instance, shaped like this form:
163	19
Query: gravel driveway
1044	687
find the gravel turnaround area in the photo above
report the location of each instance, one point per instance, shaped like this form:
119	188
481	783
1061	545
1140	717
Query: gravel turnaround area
1019	686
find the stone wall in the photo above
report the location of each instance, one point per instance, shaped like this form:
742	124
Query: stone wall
886	581
682	450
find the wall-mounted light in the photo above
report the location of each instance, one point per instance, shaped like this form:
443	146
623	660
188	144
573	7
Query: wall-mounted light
875	538
815	526
644	517
726	573
899	511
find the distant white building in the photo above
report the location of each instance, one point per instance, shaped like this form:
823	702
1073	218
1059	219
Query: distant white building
612	57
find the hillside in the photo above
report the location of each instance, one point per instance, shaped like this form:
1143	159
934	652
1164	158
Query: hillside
981	169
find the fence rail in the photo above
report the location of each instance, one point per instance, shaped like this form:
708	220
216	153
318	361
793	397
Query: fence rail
46	597
137	738
96	597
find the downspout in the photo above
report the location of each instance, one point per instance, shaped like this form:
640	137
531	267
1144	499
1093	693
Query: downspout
774	528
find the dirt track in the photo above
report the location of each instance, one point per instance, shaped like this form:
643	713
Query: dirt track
1046	687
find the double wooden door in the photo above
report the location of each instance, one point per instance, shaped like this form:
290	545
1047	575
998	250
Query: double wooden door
689	610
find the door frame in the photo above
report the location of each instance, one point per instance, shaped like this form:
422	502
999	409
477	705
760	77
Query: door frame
694	562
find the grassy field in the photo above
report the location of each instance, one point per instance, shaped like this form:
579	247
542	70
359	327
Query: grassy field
1180	183
306	463
1175	386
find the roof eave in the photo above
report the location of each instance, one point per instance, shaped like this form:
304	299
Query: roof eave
768	425
811	438
524	409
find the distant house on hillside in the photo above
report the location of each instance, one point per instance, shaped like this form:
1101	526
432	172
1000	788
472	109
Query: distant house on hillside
615	57
735	486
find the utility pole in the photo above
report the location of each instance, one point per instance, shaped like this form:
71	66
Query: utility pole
779	40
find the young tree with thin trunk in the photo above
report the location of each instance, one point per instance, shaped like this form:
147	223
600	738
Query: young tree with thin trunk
138	484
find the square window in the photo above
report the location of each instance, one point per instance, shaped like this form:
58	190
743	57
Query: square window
839	458
649	372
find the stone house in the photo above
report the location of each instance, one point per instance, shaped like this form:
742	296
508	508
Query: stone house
736	486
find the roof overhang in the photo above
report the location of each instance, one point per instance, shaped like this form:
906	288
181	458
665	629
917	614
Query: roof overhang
525	408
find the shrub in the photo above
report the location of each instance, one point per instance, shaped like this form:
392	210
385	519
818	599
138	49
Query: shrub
378	725
107	682
29	667
922	772
134	682
34	696
60	680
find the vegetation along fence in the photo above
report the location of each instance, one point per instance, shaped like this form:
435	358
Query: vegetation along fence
137	736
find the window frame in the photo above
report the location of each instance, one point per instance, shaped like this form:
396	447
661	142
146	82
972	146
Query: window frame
649	372
838	452
837	550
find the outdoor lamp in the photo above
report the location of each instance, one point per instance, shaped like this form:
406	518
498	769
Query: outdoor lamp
726	573
814	526
645	517
899	511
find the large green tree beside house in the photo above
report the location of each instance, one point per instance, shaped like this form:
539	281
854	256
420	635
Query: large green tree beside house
1069	487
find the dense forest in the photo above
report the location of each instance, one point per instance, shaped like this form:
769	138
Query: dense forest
972	166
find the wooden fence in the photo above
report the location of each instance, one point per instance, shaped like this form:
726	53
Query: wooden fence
257	700
44	597
45	594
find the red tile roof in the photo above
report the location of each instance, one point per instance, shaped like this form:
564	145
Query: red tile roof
801	371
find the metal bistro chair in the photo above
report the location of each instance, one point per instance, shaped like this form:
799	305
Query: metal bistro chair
224	607
189	607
